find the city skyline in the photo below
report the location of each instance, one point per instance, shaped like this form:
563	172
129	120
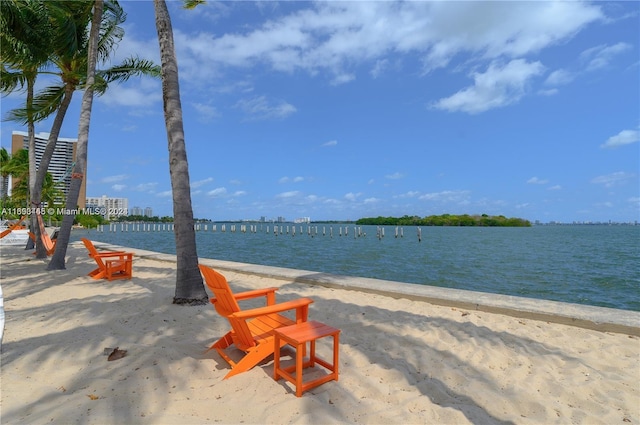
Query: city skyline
339	111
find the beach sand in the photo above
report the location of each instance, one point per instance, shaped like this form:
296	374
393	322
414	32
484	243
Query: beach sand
401	361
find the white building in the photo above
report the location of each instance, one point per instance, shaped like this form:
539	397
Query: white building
108	207
62	161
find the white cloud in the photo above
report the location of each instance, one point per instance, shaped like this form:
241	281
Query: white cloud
259	108
201	182
206	113
164	194
115	178
342	78
410	194
118	187
499	86
145	187
559	77
218	192
548	92
394	176
600	56
330	143
625	137
136	93
613	179
352	196
286	195
379	68
447	196
293	180
556	187
604	204
536	180
338	36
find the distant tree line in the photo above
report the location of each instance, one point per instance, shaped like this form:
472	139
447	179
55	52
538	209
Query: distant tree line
447	220
153	219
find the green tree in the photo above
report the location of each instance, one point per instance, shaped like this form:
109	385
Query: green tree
189	286
4	159
26	37
69	55
18	167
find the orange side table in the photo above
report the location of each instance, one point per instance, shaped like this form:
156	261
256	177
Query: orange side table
297	336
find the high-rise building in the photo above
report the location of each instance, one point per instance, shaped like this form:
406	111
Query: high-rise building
62	161
108	207
4	186
148	212
136	211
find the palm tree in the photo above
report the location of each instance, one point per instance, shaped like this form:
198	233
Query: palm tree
26	37
70	57
58	260
189	286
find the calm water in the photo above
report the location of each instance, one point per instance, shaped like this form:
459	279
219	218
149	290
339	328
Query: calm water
594	265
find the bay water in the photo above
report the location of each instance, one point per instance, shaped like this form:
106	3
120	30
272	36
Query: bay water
584	264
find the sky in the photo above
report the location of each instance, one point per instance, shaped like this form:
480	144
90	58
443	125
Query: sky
342	110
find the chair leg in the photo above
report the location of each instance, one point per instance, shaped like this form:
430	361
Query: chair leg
252	358
223	342
97	274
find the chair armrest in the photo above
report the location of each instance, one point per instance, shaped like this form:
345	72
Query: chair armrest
120	254
241	296
300	304
269	293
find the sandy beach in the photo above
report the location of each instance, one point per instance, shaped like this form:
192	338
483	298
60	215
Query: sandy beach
401	361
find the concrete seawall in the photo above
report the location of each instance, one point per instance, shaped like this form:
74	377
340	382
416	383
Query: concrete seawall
584	316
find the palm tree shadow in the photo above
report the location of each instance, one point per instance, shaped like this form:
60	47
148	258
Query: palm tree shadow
79	330
386	345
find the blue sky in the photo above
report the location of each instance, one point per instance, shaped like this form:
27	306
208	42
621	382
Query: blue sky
342	110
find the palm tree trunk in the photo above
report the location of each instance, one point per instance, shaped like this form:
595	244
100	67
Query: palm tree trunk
31	134
77	174
36	193
189	286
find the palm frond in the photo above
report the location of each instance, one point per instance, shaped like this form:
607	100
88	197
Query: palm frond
45	103
130	67
191	4
11	81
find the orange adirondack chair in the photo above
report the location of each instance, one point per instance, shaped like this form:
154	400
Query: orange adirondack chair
251	330
111	264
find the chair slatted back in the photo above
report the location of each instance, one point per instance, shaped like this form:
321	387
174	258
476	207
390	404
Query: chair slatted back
226	304
93	252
